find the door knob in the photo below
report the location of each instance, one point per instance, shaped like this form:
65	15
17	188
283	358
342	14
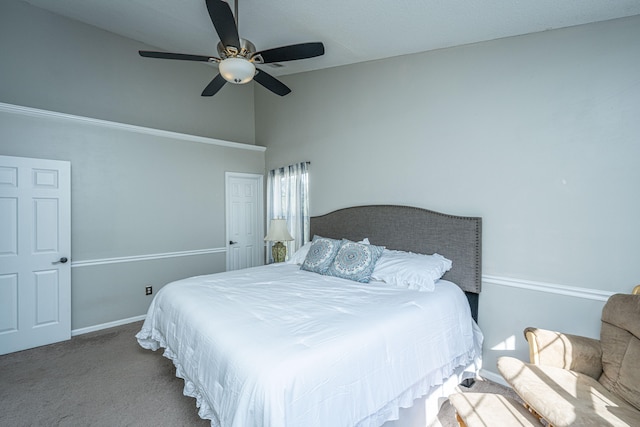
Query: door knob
231	242
62	260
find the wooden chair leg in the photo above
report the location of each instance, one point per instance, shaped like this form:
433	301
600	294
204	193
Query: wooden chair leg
536	414
460	422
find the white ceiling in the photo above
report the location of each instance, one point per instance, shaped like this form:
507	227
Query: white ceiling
351	30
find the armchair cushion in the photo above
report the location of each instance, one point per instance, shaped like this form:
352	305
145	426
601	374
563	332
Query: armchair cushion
567	398
620	340
550	348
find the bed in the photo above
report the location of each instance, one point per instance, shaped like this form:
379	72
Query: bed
278	346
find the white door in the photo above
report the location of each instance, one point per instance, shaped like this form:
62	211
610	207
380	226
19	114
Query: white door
245	230
35	248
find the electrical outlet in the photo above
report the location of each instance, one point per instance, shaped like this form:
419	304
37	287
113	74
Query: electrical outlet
148	290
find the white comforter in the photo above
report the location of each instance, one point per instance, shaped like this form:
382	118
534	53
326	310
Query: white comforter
276	346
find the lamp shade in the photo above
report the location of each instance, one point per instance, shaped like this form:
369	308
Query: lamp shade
237	70
278	231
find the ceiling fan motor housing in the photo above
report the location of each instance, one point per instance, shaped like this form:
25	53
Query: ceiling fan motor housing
246	50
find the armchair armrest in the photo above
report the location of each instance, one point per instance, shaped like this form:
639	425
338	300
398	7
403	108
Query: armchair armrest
573	352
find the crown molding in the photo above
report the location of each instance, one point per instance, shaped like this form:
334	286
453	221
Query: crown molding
36	112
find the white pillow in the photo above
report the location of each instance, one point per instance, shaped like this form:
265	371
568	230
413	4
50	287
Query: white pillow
409	270
299	256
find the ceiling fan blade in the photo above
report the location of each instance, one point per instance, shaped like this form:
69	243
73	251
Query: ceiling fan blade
291	53
168	55
271	83
214	86
223	21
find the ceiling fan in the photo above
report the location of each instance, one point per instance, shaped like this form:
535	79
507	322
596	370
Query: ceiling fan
238	57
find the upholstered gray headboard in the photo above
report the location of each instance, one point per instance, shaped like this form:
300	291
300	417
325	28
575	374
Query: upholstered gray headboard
417	230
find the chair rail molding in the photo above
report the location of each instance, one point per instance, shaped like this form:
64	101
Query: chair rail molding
571	291
145	257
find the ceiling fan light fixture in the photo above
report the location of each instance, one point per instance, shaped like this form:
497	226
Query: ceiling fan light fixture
237	70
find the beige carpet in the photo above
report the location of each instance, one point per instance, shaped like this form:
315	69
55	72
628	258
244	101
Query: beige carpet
106	379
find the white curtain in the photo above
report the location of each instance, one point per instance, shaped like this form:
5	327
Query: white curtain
288	198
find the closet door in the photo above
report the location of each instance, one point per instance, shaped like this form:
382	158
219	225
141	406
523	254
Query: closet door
245	218
35	252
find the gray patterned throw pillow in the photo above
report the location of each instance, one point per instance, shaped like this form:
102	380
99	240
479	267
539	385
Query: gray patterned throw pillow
321	254
355	261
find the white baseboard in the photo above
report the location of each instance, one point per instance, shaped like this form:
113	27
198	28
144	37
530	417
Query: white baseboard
107	325
492	376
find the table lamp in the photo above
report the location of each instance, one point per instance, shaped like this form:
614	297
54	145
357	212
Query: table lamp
278	233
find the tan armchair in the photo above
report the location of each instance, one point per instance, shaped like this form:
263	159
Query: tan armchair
579	381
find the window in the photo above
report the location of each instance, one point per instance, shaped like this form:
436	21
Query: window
288	198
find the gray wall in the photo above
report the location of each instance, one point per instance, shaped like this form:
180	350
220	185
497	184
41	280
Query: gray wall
134	193
538	134
54	63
